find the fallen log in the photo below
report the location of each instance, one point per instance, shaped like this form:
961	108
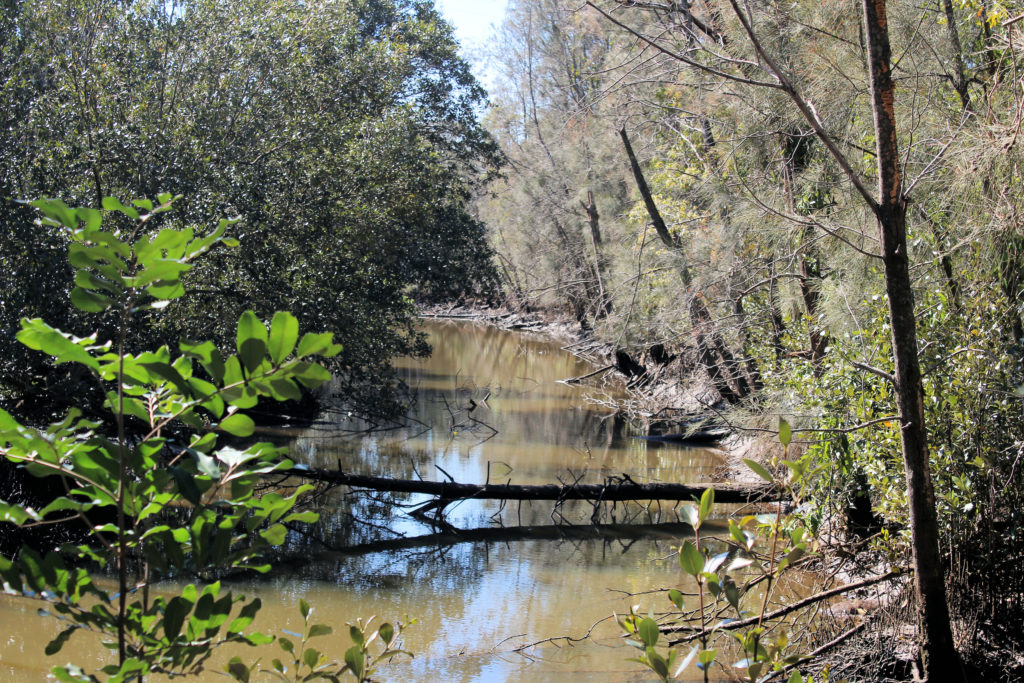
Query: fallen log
614	489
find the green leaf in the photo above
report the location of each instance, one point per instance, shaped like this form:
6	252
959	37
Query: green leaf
251	341
321	344
320	630
238	424
759	470
356	661
304	608
648	631
785	432
387	632
691	559
16	514
275	535
174	616
707	502
90	302
676	598
37	335
704	659
114	204
310	657
284	332
657	663
238	670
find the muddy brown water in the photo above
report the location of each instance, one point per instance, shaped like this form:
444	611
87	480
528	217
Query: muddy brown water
498	602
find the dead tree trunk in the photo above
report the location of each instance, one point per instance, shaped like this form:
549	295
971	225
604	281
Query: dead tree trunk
600	260
715	357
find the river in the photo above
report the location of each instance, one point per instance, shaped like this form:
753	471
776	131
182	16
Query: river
500	603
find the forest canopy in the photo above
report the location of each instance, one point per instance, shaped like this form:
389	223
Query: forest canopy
344	136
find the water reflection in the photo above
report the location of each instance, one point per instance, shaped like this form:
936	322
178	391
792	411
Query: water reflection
489	407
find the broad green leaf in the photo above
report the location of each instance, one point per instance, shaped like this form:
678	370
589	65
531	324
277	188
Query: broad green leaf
251	341
16	514
37	335
648	631
313	343
114	204
691	559
238	424
321	630
355	660
284	332
174	615
275	535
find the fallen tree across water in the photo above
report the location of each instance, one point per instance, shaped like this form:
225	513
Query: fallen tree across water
613	489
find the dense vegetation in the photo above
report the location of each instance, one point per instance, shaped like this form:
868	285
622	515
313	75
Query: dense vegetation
343	135
767	259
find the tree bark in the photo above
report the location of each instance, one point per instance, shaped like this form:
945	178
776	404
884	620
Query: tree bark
937	648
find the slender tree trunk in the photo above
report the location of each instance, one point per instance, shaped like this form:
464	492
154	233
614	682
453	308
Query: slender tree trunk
600	260
959	76
938	651
715	357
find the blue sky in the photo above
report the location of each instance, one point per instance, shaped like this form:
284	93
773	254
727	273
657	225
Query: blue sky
474	21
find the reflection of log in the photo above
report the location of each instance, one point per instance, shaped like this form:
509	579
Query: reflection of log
615	489
548	532
700	436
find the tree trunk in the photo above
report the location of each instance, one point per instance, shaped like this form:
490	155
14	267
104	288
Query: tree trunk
937	648
720	364
600	260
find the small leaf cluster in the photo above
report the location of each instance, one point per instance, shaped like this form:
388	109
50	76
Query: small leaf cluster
306	663
725	586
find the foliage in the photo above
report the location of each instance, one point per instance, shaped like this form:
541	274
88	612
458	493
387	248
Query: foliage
157	497
309	664
759	550
345	134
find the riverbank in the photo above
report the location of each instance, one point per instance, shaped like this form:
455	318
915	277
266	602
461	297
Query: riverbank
668	400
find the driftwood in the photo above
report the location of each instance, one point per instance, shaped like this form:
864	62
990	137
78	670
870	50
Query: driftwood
783	611
614	489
